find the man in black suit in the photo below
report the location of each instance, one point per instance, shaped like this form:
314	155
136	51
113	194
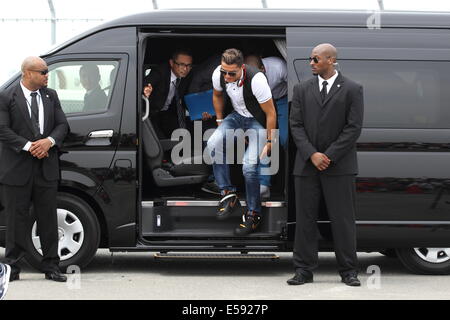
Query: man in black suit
165	87
326	120
32	127
95	98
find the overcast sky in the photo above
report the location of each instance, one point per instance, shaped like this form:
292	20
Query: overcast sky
22	37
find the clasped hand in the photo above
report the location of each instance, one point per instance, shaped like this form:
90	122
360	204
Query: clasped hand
320	160
39	148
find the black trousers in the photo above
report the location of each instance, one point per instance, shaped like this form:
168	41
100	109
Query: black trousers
17	201
338	193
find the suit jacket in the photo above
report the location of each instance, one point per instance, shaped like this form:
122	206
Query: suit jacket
159	78
331	127
16	130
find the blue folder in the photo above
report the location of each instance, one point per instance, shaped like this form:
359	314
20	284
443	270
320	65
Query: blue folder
199	102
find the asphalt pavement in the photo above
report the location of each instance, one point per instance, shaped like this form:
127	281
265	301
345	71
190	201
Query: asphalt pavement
139	276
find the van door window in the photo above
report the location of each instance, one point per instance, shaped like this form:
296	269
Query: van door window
398	94
83	86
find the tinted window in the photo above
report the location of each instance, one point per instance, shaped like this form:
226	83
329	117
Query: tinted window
83	86
399	94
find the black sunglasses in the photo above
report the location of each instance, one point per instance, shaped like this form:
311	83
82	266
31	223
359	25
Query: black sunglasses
183	65
315	59
42	72
230	73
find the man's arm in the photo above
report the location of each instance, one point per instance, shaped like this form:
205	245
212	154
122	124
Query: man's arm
352	129
301	140
218	103
151	81
41	147
271	123
8	136
298	131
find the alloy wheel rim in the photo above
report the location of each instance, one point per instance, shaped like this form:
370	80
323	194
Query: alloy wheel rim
433	255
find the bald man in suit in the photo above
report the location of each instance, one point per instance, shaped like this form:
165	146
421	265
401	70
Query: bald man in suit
32	128
326	120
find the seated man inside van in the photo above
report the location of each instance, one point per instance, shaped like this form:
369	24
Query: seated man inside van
95	98
275	70
165	87
242	100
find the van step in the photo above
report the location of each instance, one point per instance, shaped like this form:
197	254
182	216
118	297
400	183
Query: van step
214	256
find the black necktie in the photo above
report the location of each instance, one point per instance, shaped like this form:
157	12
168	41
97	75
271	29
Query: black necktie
323	93
180	110
35	115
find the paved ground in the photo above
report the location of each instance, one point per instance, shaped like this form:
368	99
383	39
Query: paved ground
140	276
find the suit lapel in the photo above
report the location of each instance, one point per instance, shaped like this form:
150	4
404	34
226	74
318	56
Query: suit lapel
334	89
46	103
23	107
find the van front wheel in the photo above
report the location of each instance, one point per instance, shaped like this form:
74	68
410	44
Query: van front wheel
433	261
78	234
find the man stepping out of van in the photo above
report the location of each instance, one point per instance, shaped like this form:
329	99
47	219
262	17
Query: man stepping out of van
242	100
326	120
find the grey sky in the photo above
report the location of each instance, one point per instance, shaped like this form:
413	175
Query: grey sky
22	37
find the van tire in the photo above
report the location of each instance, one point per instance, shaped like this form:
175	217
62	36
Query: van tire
414	259
78	212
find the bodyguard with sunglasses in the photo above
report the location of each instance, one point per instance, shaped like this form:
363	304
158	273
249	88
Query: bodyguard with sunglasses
326	120
242	100
165	87
32	128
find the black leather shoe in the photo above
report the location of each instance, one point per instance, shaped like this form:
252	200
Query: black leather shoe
351	280
14	277
299	278
55	276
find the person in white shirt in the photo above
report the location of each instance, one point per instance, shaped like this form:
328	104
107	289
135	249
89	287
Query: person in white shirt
242	100
275	70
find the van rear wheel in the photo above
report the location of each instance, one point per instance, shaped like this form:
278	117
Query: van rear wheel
78	234
432	261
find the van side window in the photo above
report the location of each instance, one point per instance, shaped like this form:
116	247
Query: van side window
83	86
399	94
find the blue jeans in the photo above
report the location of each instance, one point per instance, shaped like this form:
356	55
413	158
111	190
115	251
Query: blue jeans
219	150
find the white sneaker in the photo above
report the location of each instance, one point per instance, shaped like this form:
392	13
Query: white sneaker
264	191
5	272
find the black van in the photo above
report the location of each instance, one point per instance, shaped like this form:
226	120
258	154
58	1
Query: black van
117	191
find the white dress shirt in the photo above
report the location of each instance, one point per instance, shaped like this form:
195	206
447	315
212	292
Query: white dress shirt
27	94
329	81
260	89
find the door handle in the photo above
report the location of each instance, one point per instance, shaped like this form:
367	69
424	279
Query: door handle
101	134
100	138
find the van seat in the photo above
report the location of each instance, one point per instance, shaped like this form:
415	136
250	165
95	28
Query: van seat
167	174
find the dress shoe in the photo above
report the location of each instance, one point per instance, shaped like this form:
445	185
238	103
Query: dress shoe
55	276
300	278
351	280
